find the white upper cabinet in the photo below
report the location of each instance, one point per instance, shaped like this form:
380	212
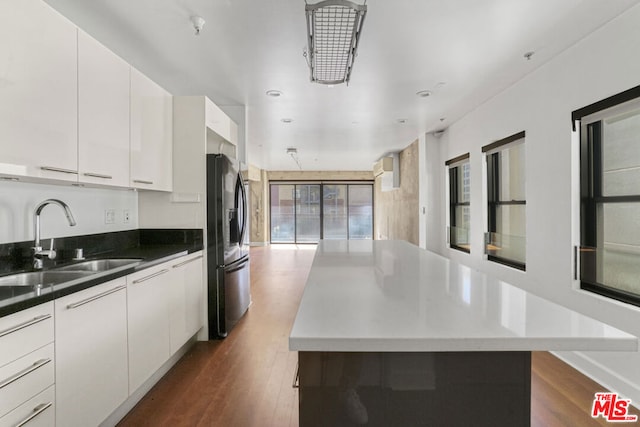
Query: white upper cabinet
151	134
38	92
218	121
103	116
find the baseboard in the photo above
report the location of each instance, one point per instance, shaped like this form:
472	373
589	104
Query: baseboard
117	415
258	243
606	377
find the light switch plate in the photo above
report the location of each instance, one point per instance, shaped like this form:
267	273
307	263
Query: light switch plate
110	216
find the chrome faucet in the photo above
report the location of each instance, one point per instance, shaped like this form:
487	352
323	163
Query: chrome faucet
38	252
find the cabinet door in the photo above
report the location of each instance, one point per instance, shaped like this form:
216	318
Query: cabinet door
103	114
151	134
91	354
148	322
187	299
38	92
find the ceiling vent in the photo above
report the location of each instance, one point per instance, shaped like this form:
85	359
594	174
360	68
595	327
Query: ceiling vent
387	169
333	34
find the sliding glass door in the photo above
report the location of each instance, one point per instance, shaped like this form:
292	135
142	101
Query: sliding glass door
360	212
334	211
308	212
283	214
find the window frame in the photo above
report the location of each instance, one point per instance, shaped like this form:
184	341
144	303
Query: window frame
589	120
492	152
454	199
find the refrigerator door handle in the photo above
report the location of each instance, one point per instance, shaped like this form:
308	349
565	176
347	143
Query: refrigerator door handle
241	205
245	213
236	266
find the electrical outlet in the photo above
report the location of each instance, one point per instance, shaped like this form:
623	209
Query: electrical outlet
126	217
110	216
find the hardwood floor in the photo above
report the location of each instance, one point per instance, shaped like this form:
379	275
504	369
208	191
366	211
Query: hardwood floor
245	379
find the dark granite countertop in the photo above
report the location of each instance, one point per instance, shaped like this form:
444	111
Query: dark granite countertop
150	246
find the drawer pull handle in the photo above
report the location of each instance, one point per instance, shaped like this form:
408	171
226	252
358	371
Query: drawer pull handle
296	377
25	324
40	363
151	276
97	175
95	297
142	181
187	261
52	169
36	411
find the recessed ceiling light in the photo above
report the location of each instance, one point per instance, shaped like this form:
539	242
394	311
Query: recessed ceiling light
424	93
274	93
286	120
401	121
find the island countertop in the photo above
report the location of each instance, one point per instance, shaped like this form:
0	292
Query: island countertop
391	296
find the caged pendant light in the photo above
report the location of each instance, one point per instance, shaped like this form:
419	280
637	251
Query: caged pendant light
333	33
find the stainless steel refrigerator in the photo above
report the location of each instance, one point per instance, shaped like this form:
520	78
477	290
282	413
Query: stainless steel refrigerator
228	256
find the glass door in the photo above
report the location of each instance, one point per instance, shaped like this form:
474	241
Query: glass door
307	213
334	211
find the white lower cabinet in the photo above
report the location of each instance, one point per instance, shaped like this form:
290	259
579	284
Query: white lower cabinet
39	411
23	332
26	363
23	378
148	322
186	297
109	340
91	354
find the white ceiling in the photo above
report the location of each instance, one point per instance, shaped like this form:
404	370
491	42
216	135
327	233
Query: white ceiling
464	51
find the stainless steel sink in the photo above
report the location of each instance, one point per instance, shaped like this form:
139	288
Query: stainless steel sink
41	278
98	265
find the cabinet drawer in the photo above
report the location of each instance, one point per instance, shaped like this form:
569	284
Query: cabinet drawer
25	331
26	377
36	412
147	274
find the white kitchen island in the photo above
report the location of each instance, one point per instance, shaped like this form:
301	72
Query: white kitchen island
424	340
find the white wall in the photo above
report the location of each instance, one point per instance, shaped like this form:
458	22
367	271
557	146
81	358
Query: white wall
599	66
88	205
431	216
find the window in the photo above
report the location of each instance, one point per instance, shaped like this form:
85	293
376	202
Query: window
308	212
610	196
459	203
505	241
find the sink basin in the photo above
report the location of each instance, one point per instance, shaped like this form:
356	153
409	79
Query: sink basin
40	278
98	265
